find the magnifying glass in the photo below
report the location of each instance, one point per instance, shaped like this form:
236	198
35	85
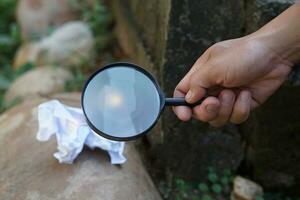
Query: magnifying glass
122	101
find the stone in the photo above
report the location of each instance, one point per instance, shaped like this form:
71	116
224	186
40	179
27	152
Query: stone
29	171
244	189
45	80
273	150
166	37
259	12
39	17
27	53
71	45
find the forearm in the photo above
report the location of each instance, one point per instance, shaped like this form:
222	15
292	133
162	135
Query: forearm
282	34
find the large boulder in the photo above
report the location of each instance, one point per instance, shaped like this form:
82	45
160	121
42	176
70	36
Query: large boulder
40	81
273	150
71	45
166	37
27	53
29	171
38	17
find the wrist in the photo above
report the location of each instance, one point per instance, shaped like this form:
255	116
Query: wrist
269	50
282	35
276	51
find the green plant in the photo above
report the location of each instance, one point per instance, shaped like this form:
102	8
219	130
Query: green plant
76	84
206	197
9	41
217	185
99	18
203	187
259	198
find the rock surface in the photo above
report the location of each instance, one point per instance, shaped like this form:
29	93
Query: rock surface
29	171
38	17
244	189
273	152
167	39
26	54
183	31
71	45
40	81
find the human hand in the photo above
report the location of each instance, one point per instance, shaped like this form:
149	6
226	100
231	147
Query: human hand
238	75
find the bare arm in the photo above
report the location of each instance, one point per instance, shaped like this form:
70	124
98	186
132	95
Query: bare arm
245	72
283	34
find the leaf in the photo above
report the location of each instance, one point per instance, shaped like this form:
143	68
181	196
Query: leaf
211	169
4	83
225	180
259	198
203	187
227	172
216	188
212	177
206	197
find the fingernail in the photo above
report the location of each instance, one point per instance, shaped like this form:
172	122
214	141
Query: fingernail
212	108
189	95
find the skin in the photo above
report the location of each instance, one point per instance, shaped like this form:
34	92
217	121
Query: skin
241	74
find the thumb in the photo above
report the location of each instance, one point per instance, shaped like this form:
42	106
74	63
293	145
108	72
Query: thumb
200	81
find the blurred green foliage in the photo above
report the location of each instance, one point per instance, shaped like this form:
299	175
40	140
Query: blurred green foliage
99	18
216	186
9	41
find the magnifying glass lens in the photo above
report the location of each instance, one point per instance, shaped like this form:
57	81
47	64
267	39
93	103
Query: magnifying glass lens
121	102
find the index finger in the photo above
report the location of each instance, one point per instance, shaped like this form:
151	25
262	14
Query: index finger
184	113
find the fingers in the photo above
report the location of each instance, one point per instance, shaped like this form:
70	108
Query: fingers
184	84
241	109
226	98
184	113
207	110
199	82
225	108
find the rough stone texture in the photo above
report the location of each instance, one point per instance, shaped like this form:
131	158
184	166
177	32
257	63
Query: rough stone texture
71	45
259	12
29	171
27	53
273	150
167	39
38	17
273	141
41	81
244	189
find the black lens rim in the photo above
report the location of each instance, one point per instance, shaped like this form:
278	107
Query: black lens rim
130	65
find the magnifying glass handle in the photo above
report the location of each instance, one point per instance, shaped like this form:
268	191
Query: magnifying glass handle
180	101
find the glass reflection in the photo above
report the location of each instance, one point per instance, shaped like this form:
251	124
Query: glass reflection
121	102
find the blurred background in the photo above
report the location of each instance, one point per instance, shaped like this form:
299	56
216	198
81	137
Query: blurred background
52	46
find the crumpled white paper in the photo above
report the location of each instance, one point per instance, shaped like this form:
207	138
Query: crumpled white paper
72	133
